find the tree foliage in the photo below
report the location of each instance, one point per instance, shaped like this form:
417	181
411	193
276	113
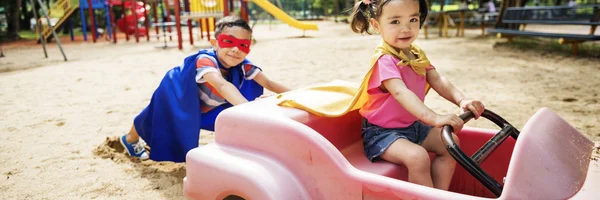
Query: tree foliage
12	10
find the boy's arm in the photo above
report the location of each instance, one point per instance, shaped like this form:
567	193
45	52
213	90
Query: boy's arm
225	88
269	84
417	108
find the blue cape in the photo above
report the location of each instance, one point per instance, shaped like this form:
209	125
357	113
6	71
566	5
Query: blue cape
171	123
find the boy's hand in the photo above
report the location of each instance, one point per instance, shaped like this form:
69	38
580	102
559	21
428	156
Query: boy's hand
476	107
452	120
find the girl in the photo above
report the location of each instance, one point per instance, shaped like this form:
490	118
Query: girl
400	77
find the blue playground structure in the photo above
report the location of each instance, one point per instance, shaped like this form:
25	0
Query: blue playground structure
96	4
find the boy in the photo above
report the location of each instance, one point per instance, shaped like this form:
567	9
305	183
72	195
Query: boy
190	96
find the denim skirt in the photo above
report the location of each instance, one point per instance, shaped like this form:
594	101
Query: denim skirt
377	139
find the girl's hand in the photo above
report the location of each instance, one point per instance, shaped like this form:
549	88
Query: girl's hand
476	107
452	120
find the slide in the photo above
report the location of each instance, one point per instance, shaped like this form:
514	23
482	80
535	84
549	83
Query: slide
279	14
132	21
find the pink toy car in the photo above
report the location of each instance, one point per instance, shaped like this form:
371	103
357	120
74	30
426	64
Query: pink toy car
263	151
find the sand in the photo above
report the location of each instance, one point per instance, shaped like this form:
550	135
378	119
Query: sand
59	120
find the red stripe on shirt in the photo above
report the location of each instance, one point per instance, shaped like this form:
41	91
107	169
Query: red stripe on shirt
247	68
205	109
203	62
213	90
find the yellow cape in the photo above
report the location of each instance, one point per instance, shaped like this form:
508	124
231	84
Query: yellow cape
333	100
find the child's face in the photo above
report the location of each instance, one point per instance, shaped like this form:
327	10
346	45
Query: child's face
398	23
232	56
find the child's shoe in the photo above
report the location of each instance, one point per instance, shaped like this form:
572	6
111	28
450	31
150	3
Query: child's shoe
135	149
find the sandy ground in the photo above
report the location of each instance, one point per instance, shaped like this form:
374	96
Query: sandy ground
58	119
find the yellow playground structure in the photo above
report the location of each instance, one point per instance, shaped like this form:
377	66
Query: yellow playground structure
279	14
214	8
59	12
206	12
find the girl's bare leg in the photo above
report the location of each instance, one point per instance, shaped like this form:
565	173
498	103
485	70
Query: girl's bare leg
414	157
443	165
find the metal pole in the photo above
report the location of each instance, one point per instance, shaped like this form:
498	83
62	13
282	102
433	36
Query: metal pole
304	9
83	21
124	17
135	16
189	21
168	11
108	21
164	27
52	28
243	11
147	21
39	25
112	22
225	9
155	14
92	20
70	21
178	24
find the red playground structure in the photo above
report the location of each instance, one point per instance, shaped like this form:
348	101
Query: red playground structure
135	20
129	23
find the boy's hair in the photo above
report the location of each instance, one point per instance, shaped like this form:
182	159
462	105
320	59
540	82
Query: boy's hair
231	21
362	12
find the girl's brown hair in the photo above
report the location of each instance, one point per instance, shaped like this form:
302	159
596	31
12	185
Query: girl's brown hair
362	12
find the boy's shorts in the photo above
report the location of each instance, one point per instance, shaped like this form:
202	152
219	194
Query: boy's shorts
377	139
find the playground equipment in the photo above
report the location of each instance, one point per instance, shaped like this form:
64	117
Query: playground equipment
165	25
58	13
95	4
135	19
61	12
129	24
206	12
263	151
279	14
50	28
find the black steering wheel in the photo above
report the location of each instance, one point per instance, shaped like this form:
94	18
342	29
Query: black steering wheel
472	164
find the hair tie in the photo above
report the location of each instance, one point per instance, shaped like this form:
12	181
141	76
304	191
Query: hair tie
370	14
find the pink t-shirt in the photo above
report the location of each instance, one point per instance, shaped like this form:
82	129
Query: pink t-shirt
381	108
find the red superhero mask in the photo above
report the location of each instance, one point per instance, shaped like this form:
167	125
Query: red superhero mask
228	41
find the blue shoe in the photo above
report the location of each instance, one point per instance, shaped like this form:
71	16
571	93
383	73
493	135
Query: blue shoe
135	149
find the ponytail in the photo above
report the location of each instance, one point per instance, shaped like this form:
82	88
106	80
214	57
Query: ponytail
423	10
361	13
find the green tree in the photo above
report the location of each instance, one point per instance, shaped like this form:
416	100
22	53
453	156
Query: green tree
26	14
13	13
